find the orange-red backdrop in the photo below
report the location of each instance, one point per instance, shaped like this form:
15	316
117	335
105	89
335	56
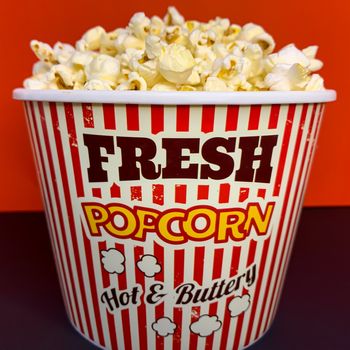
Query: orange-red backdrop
302	22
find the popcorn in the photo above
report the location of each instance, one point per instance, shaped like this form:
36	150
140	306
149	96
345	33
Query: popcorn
139	25
164	86
157	26
43	51
63	52
41	67
256	34
176	63
34	84
285	77
215	84
107	45
315	83
154	46
92	38
103	67
173	17
172	54
134	82
64	76
96	84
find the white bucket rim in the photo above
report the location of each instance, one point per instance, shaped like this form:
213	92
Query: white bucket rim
177	97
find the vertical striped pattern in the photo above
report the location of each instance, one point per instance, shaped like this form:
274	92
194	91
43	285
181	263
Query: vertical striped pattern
62	160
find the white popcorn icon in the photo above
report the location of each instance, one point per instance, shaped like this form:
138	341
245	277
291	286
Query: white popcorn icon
148	264
206	325
113	261
164	326
239	305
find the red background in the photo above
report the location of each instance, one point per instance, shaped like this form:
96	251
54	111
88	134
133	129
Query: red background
302	22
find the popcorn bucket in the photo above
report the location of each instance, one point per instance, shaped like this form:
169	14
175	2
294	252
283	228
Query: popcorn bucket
172	215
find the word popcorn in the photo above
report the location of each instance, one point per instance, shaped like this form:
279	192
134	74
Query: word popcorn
138	223
172	54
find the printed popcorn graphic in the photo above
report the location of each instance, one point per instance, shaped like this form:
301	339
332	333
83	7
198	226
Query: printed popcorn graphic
206	325
239	305
113	261
164	326
148	264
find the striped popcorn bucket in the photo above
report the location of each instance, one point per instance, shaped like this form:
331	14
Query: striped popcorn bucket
172	216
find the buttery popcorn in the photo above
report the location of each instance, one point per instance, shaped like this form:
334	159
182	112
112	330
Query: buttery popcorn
174	54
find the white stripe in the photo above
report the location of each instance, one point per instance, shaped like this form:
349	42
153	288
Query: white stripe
220	119
195	123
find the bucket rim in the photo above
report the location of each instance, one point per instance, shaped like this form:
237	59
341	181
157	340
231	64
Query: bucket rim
176	97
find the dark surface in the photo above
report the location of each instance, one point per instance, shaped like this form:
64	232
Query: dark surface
314	312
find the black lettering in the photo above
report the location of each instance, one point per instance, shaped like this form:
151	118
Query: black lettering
111	300
211	154
248	145
129	170
174	158
185	293
94	143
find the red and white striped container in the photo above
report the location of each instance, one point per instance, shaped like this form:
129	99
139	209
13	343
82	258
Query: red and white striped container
172	215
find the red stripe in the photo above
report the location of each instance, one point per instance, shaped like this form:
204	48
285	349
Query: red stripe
94	296
217	266
257	290
231	118
141	310
158	194
182	118
285	146
180	193
202	192
159	309
73	143
66	190
254	117
122	282
243	194
157	118
96	192
136	193
110	318
296	207
289	123
109	116
198	277
274	114
235	257
49	205
208	113
224	193
199	264
251	253
132	117
115	191
261	193
88	115
179	261
292	195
